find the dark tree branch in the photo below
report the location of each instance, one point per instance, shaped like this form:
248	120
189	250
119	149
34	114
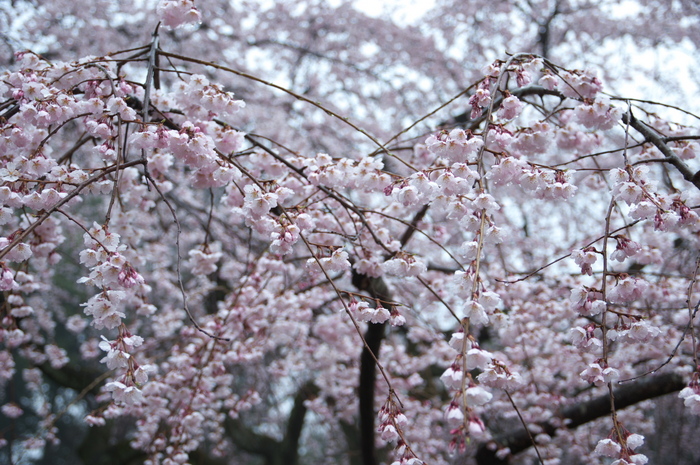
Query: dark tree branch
579	414
73	377
100	447
295	424
651	136
368	377
352	437
408	233
545	30
250	441
285	452
377	288
463	119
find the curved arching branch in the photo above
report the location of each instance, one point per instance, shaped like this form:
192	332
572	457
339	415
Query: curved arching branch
579	414
465	121
651	136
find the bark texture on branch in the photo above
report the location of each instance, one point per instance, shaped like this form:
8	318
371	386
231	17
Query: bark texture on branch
651	136
579	414
376	288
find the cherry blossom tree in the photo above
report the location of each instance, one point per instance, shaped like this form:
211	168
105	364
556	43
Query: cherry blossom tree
249	233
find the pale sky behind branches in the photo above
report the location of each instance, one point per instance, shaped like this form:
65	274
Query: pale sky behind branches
680	60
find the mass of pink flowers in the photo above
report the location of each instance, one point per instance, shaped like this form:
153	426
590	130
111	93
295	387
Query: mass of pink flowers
209	263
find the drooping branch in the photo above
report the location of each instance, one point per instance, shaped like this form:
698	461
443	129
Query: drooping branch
651	136
579	414
465	121
645	130
23	233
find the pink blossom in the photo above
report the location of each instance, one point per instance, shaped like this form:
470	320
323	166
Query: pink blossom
11	410
634	441
175	13
373	315
688	150
95	420
129	277
130	395
478	396
57	356
476	313
639	459
608	448
691	399
536	139
510	107
258	203
338	261
454	415
7	281
116	359
452	377
628	289
629	192
584	338
508	170
477	358
203	260
598	115
642	210
19	253
389	433
141	374
548	81
625	248
494	377
480	99
585	259
580	85
597	375
476	428
404	265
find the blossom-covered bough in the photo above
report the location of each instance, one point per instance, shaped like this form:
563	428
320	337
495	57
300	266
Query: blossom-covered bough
501	288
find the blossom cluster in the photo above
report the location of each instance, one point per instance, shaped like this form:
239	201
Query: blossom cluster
175	13
621	446
219	258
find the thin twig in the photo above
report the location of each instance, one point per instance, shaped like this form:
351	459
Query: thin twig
527	430
25	232
293	94
178	266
